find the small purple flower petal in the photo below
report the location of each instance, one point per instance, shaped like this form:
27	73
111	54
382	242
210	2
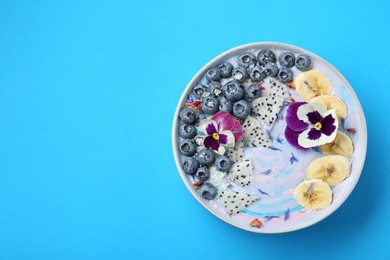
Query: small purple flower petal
223	138
328	126
292	138
210	129
314	134
292	119
210	142
314	117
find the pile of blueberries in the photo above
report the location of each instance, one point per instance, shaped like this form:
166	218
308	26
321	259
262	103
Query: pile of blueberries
233	98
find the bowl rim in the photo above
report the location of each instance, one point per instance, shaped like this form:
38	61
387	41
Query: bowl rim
227	54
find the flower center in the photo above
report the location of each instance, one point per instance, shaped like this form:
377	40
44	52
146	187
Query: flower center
216	136
318	126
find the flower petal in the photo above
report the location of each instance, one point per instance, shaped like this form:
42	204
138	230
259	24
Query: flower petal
292	119
209	142
292	138
221	150
224	120
237	131
305	109
205	126
314	134
314	117
329	122
229	139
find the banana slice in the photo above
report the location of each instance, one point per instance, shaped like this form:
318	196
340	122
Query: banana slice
314	194
332	169
342	145
332	102
312	83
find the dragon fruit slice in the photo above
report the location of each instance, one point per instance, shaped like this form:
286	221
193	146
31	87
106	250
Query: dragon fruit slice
267	108
254	133
236	154
274	87
233	202
241	173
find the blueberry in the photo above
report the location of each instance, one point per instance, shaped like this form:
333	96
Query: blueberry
233	90
187	147
271	69
200	115
212	74
285	74
253	91
187	115
240	74
241	109
246	60
190	165
227	107
199	90
223	164
207	191
257	73
206	157
202	173
210	105
187	131
225	70
287	59
215	88
303	62
265	56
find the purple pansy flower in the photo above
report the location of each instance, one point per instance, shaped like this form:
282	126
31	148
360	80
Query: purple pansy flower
310	125
222	131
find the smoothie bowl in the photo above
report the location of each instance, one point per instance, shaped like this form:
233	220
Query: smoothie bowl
269	137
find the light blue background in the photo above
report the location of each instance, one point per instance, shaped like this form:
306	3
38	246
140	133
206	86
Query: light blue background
88	90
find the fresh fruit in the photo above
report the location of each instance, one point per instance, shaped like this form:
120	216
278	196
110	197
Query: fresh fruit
267	108
246	60
223	164
199	90
207	191
312	83
240	74
210	105
225	70
187	131
241	109
202	173
187	115
254	134
187	147
212	74
332	169
236	154
233	90
206	157
313	194
303	62
271	69
234	202
287	59
227	106
342	145
265	56
332	102
253	91
190	165
274	87
241	173
215	88
257	73
285	74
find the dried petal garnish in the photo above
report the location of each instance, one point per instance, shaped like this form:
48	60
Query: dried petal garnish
196	105
351	130
197	184
263	192
286	214
256	223
293	159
